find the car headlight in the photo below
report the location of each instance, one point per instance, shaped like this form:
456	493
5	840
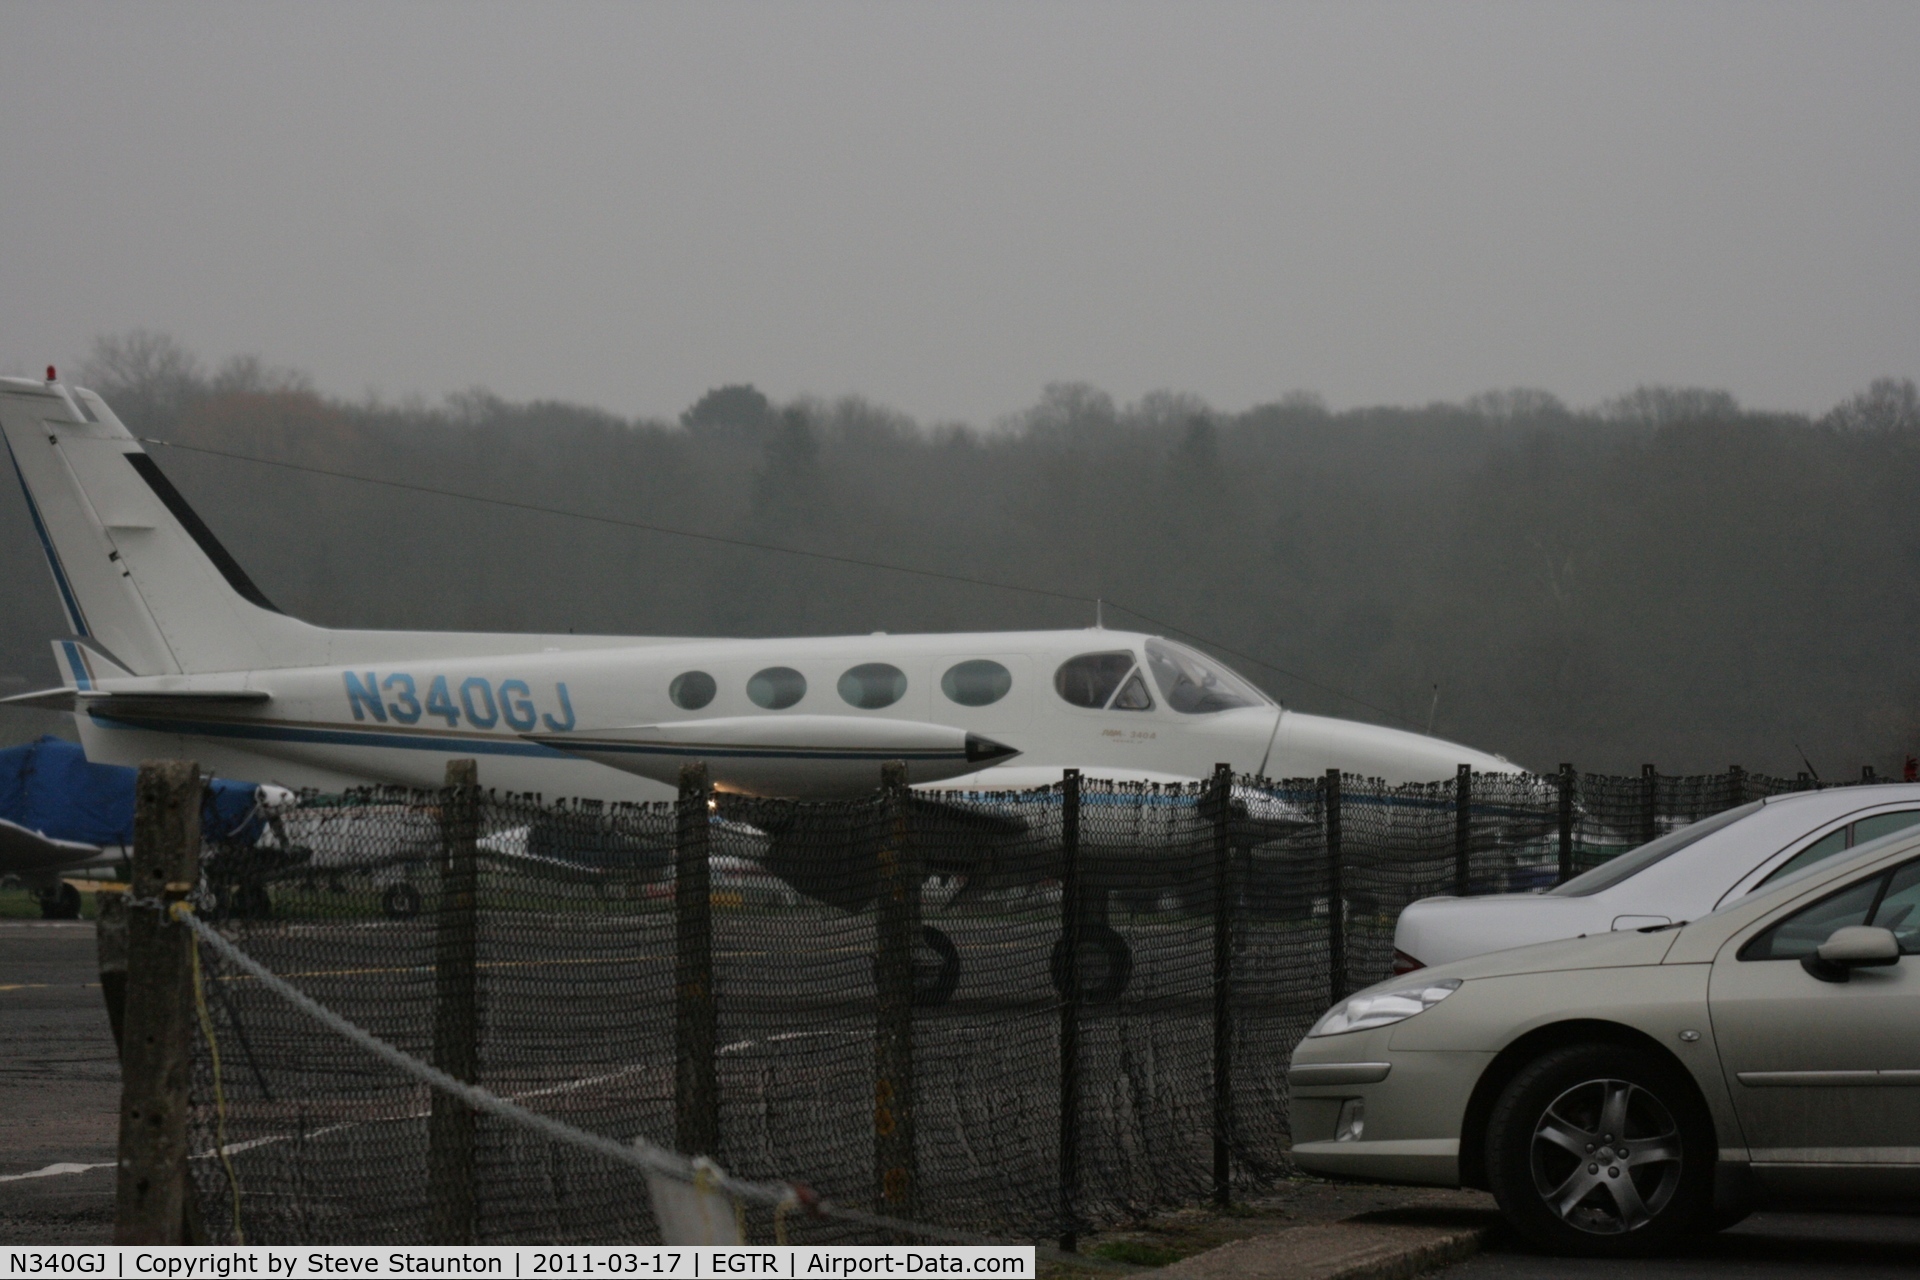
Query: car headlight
1383	1008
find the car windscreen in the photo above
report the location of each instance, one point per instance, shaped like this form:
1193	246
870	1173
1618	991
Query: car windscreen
1634	861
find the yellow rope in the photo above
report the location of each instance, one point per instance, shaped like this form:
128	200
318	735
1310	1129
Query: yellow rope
219	1093
787	1202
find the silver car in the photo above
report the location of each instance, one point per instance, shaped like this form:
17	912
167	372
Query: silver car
1680	876
1617	1091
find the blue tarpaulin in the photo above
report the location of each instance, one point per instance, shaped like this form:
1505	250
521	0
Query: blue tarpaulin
50	787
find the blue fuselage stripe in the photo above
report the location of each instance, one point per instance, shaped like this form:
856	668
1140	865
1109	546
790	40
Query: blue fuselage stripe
77	619
402	740
697	752
78	664
331	737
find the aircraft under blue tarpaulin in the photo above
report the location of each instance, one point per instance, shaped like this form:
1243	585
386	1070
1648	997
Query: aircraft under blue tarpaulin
60	812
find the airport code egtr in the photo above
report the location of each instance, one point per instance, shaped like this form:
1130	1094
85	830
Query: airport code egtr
289	1262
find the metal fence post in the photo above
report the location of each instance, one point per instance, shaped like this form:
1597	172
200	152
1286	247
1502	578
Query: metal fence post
1336	896
1223	902
696	1092
456	1008
1566	823
1649	804
1069	1009
1463	830
897	931
152	1202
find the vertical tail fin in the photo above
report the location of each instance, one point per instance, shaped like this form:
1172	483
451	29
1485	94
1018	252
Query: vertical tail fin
138	572
83	667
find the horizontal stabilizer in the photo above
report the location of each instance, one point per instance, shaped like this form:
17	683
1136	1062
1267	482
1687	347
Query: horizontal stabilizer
24	852
132	701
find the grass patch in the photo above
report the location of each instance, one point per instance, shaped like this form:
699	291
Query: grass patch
23	904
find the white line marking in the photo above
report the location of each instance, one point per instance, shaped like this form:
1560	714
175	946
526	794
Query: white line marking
55	1171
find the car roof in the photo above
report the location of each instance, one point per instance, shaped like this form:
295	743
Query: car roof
1861	794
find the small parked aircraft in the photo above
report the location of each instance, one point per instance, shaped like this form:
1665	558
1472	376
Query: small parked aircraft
177	653
64	816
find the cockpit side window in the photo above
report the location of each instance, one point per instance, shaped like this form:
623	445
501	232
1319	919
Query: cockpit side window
1133	695
1090	679
1194	683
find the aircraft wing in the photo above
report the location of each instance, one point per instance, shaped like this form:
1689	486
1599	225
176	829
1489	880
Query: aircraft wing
814	756
25	852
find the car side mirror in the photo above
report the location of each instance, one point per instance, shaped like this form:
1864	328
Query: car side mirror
1851	947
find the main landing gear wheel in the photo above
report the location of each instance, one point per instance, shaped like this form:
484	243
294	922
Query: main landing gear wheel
1601	1150
401	901
62	902
246	900
936	968
1105	964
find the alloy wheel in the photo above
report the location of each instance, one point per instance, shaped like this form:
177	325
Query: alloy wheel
1606	1156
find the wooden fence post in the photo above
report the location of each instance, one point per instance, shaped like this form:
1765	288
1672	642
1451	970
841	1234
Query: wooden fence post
897	931
456	1009
1223	904
153	1197
696	1093
1336	896
1070	912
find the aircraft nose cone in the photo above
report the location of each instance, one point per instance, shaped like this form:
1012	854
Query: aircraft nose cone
985	750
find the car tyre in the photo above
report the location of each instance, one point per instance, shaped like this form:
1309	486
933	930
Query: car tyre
1720	1219
1601	1150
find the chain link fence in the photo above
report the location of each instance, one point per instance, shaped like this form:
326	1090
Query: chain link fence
1028	1014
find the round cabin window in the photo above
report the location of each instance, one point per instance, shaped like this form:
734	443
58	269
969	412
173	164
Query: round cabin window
976	683
873	685
776	688
692	690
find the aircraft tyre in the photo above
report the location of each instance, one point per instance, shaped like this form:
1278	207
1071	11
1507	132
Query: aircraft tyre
1106	964
62	902
400	901
252	900
936	968
242	900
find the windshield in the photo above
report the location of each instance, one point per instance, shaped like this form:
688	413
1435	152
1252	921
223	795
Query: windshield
1796	870
1632	863
1196	684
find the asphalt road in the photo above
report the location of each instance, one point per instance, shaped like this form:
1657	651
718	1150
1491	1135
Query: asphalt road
59	1086
1767	1246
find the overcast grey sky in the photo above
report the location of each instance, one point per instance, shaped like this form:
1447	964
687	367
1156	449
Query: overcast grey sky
946	206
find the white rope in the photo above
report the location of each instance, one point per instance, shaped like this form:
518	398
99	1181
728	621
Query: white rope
640	1154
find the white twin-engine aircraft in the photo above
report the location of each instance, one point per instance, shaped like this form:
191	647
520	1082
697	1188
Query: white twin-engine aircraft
176	653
